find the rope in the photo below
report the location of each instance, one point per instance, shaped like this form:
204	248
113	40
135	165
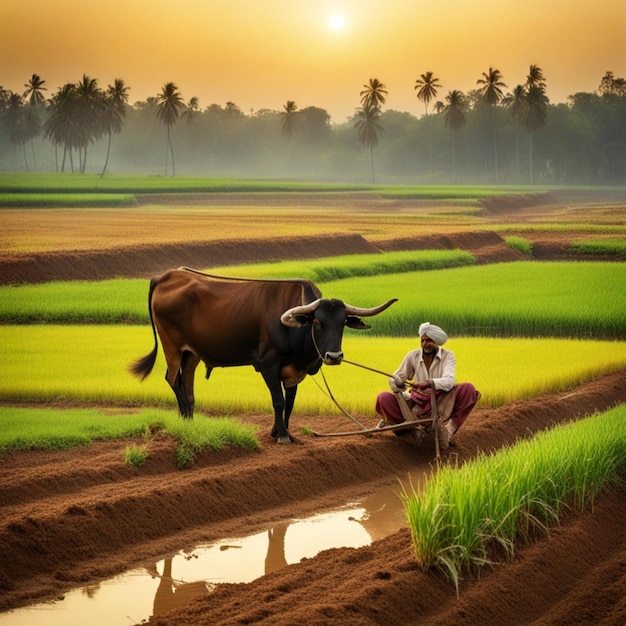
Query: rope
332	397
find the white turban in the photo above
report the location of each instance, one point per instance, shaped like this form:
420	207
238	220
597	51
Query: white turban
434	332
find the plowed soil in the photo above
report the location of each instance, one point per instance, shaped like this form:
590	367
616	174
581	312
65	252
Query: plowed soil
76	517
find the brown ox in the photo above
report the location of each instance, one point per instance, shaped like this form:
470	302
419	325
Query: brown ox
284	328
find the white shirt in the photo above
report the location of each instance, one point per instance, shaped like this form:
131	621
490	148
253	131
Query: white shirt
413	368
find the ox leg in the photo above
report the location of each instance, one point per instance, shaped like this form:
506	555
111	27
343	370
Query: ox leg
290	398
183	384
272	380
188	370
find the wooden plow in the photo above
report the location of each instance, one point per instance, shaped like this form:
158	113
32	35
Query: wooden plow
410	421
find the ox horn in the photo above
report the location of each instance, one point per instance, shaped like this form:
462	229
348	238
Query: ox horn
361	312
287	318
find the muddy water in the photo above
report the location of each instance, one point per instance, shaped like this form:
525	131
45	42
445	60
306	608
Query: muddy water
156	588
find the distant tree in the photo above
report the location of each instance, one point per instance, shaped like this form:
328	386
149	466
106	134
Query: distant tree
114	112
535	77
373	94
89	110
427	86
491	92
33	94
611	86
192	109
169	101
514	101
288	119
37	101
288	123
60	124
369	130
454	119
22	122
533	115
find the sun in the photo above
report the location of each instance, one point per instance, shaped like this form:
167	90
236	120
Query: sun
337	22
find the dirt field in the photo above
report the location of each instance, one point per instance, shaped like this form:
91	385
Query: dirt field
73	518
76	517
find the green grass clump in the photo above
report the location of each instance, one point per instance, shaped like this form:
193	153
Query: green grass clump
55	429
519	243
600	246
511	496
136	455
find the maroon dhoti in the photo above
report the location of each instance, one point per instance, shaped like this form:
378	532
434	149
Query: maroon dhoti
465	397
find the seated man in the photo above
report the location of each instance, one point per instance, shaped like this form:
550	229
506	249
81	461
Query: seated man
419	367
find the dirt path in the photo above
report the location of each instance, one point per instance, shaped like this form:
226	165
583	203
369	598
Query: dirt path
75	517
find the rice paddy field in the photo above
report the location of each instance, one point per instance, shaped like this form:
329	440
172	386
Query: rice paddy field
99	472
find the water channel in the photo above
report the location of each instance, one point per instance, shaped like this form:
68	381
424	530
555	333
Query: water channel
138	594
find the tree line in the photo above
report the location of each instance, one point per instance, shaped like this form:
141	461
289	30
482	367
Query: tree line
488	135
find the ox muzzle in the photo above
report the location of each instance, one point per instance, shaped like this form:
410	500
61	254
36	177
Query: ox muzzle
332	358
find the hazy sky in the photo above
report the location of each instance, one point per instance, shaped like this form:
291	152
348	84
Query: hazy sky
259	54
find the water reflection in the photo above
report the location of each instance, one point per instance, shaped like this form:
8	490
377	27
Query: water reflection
159	587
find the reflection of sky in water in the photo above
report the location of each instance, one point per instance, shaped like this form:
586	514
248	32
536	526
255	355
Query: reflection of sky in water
140	593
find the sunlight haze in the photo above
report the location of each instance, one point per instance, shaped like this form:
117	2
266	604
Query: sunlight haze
317	53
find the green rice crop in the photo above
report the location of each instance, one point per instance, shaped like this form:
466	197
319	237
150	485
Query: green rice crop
53	429
352	265
125	300
519	243
510	299
89	364
525	298
509	497
31	182
560	226
600	246
65	200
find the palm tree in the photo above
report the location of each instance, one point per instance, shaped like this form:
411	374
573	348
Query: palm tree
515	103
61	122
369	129
89	110
535	77
533	115
20	122
35	98
169	101
491	93
191	109
116	98
373	96
454	119
33	94
288	122
427	85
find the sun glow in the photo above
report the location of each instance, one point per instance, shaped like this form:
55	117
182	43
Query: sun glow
337	22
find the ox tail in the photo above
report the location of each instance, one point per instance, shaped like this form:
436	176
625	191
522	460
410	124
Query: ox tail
143	366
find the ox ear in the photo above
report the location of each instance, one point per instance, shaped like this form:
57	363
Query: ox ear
356	322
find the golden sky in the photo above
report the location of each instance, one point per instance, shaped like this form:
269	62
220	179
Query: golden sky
261	53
